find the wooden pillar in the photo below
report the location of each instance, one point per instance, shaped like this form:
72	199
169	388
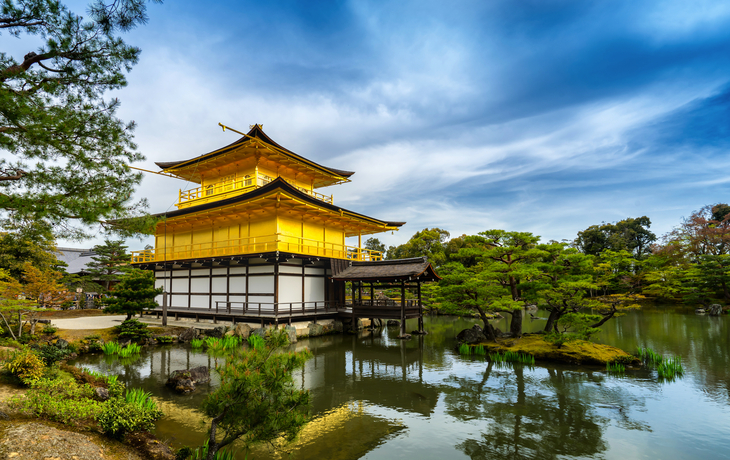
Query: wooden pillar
354	318
420	309
402	308
164	306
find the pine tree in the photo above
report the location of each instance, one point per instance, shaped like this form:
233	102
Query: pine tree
135	293
65	152
110	261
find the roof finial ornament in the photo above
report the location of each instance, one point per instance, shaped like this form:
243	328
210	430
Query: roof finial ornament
260	125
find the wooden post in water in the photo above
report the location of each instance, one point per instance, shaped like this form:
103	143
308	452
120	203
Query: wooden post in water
420	309
403	308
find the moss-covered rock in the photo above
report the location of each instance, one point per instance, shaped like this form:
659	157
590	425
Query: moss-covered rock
577	352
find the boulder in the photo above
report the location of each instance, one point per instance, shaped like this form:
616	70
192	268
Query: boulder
337	326
184	381
216	332
62	344
101	393
715	309
473	335
291	331
315	329
260	331
242	330
393	323
188	335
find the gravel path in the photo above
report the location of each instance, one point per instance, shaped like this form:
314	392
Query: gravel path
36	441
89	322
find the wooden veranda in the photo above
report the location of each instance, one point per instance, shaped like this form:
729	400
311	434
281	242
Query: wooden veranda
401	274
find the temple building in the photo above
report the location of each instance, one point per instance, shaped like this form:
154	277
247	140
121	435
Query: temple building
258	240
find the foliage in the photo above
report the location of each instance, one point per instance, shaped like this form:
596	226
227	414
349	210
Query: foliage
256	400
197	343
134	294
109	263
165	339
26	365
670	368
512	357
201	453
132	329
648	356
429	242
120	416
59	400
111	348
374	244
50	330
51	354
615	368
631	235
129	350
141	398
14	307
256	341
28	242
60	170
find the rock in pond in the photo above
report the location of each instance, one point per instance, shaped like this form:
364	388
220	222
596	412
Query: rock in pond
715	309
188	335
473	335
184	381
393	323
242	330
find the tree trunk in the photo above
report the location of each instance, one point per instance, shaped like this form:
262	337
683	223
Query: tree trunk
488	328
516	323
552	320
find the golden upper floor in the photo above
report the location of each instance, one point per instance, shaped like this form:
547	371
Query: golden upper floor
247	164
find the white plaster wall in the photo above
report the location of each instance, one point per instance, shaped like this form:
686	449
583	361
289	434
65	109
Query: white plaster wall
220	271
290	289
313	271
179	273
200	272
285	269
237	284
199	301
314	289
261	269
238	270
179	301
179	285
200	285
261	284
220	285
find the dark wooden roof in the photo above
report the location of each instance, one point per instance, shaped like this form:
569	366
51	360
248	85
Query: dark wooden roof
388	270
258	133
283	185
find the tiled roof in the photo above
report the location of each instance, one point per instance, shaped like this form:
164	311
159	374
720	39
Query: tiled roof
388	270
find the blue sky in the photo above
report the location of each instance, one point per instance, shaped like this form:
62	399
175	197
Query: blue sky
541	116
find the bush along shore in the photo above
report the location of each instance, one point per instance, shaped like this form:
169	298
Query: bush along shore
38	384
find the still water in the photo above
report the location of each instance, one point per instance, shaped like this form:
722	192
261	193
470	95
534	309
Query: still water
376	397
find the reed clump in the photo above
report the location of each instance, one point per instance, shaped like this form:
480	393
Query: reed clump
615	368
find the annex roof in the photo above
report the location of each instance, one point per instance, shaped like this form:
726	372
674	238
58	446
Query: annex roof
280	192
256	139
389	270
77	259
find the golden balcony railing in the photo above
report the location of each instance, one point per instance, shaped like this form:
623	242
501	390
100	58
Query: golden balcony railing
258	244
234	187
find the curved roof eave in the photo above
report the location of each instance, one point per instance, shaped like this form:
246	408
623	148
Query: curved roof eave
283	185
258	133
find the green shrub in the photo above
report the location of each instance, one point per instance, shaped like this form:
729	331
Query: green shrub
197	343
256	341
59	400
111	348
48	329
132	329
120	416
51	354
166	339
26	365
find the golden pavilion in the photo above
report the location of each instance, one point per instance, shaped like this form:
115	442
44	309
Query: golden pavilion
257	238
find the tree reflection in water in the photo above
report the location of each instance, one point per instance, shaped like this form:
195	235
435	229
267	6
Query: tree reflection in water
538	413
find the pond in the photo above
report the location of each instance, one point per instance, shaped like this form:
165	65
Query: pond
374	396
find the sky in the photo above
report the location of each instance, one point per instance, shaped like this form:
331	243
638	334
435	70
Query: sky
540	116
